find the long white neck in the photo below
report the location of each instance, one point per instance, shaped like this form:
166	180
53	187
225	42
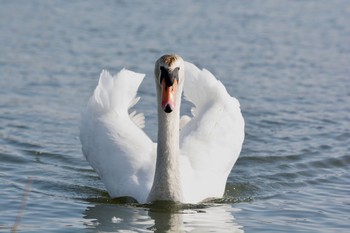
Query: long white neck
167	183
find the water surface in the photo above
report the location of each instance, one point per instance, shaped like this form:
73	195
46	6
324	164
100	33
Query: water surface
286	61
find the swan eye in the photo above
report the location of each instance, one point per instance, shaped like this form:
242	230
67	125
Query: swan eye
161	73
169	76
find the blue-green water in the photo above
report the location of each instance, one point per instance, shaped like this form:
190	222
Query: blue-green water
286	61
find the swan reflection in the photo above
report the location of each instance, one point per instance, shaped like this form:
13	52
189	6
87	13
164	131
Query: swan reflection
154	218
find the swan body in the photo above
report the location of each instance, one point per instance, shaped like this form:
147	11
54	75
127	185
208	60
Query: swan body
193	155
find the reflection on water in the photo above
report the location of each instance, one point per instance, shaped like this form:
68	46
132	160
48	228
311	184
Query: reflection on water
163	217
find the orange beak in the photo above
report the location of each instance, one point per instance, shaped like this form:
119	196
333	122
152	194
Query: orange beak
168	96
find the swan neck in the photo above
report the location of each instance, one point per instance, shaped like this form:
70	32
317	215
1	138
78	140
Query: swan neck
167	185
168	135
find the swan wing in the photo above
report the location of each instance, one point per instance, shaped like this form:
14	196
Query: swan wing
113	141
210	141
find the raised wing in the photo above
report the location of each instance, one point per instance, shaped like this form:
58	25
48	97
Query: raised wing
211	141
112	139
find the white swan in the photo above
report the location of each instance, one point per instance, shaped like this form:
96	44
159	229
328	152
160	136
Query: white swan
187	165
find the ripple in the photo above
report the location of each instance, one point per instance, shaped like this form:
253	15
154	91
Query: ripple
340	162
9	156
344	136
238	191
21	143
275	175
270	158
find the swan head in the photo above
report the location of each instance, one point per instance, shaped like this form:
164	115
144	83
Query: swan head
169	75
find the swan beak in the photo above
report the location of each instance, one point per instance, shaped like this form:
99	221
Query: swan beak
168	96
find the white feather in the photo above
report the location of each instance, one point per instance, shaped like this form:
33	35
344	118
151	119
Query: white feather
211	141
120	152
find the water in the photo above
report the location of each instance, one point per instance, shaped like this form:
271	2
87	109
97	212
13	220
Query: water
286	61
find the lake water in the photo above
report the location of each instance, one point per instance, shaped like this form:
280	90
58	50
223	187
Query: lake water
286	61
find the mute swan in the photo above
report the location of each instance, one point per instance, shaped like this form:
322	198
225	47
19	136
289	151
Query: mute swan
187	165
